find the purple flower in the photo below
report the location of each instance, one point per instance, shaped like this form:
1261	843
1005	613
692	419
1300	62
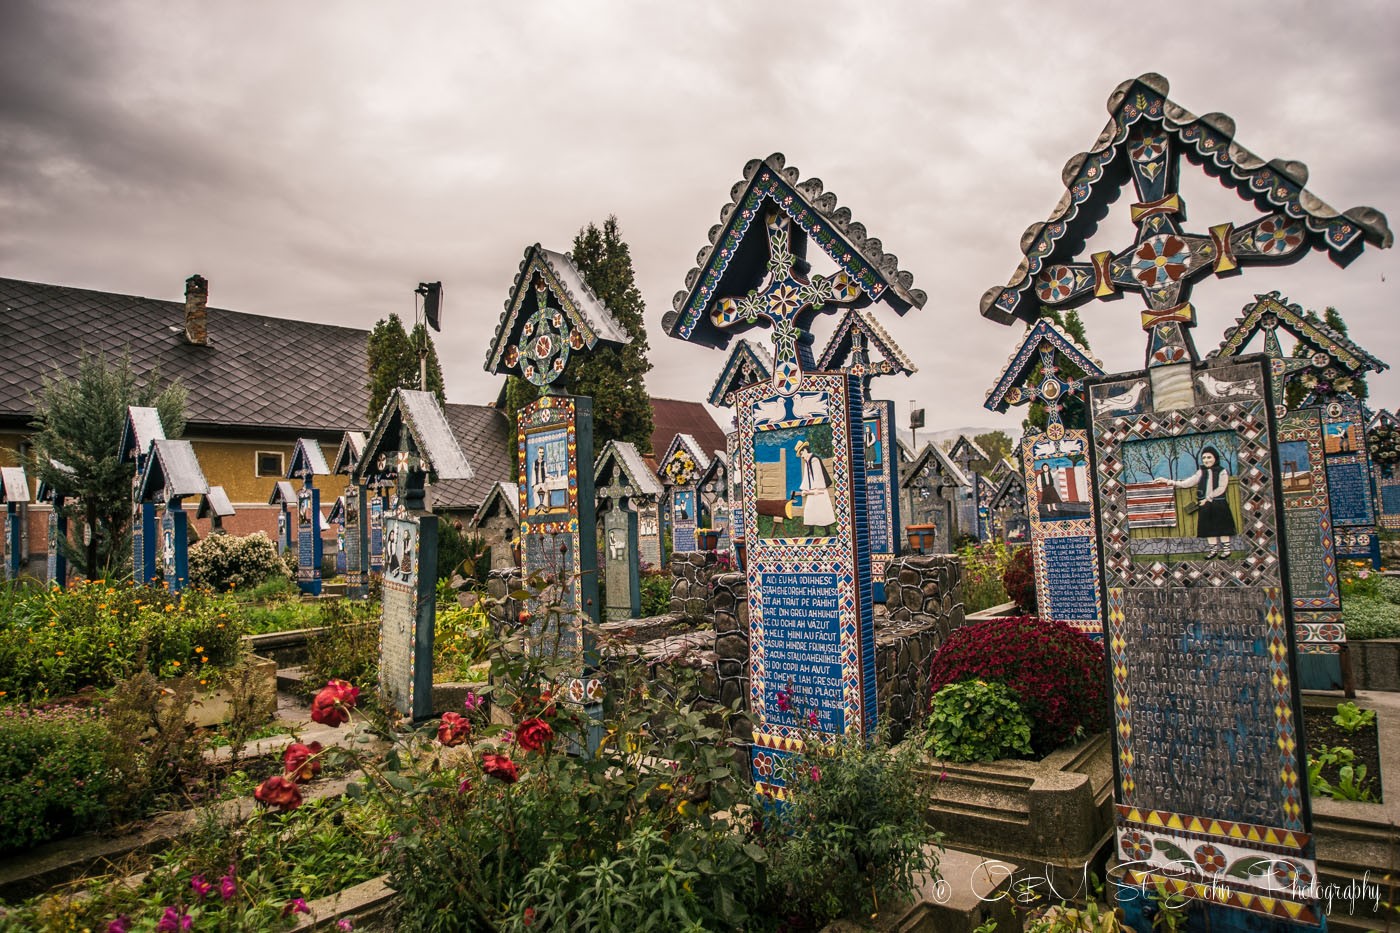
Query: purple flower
473	701
227	886
296	905
119	925
200	887
174	921
345	925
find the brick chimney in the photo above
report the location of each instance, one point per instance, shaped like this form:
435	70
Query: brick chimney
197	310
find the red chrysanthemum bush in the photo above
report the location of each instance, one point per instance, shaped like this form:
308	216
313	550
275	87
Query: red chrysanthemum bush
1019	580
1056	670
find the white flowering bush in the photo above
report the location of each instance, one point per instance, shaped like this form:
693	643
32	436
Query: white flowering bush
223	562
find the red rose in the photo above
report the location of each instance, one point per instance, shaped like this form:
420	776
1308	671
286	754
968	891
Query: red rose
534	734
278	792
454	729
302	762
333	704
500	767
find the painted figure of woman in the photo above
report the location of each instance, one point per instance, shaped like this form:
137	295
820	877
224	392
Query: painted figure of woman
817	509
1047	487
1214	521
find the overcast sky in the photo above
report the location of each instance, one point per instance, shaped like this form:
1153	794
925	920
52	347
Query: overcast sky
318	160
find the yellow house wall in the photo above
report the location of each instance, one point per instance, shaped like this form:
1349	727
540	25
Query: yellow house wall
234	466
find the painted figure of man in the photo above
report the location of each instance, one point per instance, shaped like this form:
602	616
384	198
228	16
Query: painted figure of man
817	508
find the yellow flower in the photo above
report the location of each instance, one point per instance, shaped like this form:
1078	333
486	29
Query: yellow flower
176	663
59	653
203	659
199	649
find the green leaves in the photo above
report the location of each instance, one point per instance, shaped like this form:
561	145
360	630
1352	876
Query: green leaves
975	720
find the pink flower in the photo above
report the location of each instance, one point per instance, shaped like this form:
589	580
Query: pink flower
173	921
333	704
302	762
200	886
454	729
227	886
784	701
119	925
812	719
345	925
296	905
464	786
815	773
474	701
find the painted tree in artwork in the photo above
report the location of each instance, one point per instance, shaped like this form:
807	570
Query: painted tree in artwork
613	377
1073	416
393	363
78	421
1299	387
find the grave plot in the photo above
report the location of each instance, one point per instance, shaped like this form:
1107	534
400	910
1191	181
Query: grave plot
1210	782
356	527
681	467
1049	367
411	442
306	464
550	314
140	431
861	347
625	487
799	453
931	486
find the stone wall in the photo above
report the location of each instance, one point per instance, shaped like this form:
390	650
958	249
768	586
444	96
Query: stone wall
731	619
690	581
925	587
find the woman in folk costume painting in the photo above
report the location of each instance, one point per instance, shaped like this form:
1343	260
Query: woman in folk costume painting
817	508
1214	521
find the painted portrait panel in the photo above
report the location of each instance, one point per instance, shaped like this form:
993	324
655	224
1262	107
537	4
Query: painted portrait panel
792	467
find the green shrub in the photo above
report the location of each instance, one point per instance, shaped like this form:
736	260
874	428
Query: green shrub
347	647
459	639
56	642
225	562
1371	606
656	593
983	566
852	836
1351	718
53	775
977	720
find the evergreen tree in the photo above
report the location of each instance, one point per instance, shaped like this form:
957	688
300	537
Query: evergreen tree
78	421
1297	389
393	363
1072	413
614	377
998	446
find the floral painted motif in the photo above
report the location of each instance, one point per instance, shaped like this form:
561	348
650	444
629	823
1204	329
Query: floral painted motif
1210	859
1161	260
1136	846
1277	237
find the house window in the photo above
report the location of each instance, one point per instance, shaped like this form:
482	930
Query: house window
270	463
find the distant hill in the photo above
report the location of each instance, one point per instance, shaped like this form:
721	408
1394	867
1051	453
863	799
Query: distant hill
944	438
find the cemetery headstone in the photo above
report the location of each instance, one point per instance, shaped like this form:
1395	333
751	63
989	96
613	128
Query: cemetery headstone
336	519
216	507
56	536
932	486
14	492
735	493
1327	365
1383	445
172	474
1307	499
306	464
973	461
284	495
497	520
550	314
1211	784
141	430
861	347
411	442
713	490
1049	367
800	454
681	467
624	485
1008	509
356	547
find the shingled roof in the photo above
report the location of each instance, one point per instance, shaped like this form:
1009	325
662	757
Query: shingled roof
256	373
481	433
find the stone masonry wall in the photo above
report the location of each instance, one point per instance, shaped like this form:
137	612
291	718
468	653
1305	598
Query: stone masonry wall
690	581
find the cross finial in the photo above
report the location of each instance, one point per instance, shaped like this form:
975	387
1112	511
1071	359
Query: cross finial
786	298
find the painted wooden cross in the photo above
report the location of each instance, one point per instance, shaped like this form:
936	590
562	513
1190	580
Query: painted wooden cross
787	299
1018	384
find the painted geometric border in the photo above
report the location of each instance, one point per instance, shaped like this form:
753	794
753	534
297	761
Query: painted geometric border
550	412
1305	425
840	555
882	552
1082	528
411	589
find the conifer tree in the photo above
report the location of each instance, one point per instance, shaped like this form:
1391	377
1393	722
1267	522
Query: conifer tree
393	363
614	377
1297	388
78	421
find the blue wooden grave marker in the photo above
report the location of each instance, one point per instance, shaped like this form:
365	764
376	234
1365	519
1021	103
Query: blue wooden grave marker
55	494
141	430
800	453
308	463
171	475
14	492
356	548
